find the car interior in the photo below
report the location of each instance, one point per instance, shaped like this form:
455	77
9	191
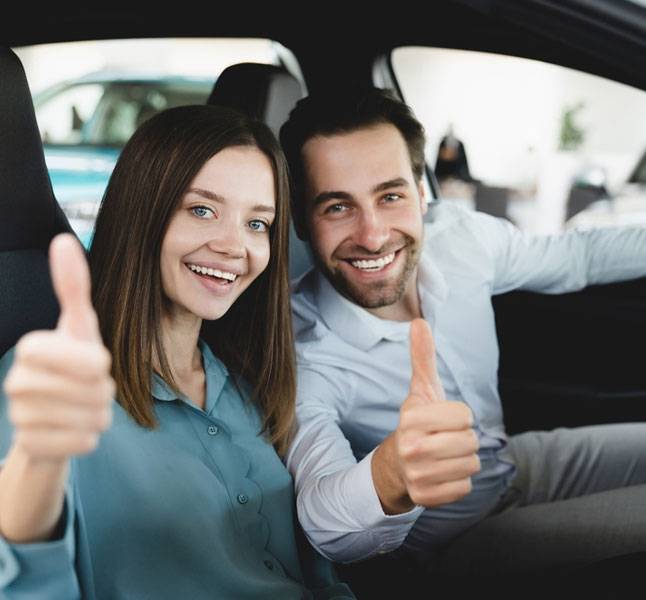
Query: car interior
565	360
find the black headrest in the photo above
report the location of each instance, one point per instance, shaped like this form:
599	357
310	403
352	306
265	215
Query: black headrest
29	215
265	92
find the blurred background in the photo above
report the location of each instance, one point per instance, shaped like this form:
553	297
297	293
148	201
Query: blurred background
545	147
90	97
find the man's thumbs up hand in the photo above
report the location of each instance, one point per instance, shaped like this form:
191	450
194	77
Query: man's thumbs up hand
430	457
59	387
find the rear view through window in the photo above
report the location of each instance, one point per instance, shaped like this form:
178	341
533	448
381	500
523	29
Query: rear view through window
90	97
547	147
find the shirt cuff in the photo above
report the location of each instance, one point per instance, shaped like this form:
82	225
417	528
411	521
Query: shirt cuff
34	567
391	529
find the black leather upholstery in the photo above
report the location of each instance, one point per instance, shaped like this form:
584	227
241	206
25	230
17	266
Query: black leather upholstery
29	214
267	93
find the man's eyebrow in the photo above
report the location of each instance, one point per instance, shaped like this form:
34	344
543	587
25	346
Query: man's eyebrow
217	198
380	187
325	196
392	183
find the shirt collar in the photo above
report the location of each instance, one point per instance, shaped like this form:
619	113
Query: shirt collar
364	330
216	375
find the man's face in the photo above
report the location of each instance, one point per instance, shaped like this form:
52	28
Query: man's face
364	213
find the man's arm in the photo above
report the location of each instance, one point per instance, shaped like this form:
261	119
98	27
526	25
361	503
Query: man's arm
352	510
561	263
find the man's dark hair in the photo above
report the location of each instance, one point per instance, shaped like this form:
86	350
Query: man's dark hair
345	111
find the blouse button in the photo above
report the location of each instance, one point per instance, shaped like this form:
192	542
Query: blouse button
243	498
212	430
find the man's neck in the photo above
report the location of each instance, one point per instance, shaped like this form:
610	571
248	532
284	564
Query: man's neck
407	308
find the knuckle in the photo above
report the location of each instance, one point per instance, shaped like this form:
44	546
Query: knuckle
466	486
466	414
410	447
106	359
476	464
104	419
109	391
16	414
25	345
88	442
10	385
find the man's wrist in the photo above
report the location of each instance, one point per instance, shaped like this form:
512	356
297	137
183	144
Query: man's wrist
388	481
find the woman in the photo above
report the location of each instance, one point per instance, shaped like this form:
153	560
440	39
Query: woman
175	491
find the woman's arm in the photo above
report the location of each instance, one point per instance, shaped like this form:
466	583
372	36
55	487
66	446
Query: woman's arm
59	392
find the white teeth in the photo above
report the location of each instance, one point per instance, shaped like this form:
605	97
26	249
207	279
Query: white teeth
374	265
213	272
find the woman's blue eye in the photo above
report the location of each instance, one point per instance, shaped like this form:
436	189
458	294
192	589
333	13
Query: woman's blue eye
202	211
258	225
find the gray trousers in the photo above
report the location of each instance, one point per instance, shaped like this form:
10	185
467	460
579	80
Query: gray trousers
579	497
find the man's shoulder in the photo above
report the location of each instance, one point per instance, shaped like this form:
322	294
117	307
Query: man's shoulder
309	327
448	215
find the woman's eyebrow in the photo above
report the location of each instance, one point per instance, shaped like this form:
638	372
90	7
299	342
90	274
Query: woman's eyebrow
217	198
206	194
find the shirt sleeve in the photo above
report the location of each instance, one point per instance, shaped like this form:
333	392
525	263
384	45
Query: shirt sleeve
562	263
37	570
337	503
41	570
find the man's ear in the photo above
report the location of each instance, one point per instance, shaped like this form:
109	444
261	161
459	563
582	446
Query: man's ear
421	188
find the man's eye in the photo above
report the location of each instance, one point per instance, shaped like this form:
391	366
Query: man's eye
392	197
203	212
335	208
258	225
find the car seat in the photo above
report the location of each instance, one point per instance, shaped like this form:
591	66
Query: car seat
29	214
267	93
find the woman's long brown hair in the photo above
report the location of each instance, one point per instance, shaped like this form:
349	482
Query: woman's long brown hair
254	338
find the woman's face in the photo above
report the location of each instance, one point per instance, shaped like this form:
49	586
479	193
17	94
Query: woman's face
217	241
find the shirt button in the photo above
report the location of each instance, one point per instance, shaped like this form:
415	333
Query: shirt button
213	430
243	498
269	565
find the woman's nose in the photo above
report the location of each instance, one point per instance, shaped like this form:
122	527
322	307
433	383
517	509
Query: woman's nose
229	239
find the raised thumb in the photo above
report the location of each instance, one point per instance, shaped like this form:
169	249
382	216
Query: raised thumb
72	285
425	381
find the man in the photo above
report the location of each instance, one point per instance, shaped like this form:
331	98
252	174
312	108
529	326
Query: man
381	458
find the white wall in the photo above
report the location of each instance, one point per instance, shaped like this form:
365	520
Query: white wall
507	111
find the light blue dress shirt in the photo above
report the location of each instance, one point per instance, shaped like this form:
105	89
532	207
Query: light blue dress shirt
354	371
201	507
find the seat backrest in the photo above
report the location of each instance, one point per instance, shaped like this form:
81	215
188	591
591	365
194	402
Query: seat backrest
267	93
29	214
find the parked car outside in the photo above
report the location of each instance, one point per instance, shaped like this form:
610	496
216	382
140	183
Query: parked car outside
85	123
627	206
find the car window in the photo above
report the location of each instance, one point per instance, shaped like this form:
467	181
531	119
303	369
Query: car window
63	111
90	97
544	146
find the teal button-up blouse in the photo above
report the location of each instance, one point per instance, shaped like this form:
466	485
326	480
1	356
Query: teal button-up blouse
200	507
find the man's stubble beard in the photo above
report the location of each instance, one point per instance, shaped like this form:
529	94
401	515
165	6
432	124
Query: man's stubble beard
379	293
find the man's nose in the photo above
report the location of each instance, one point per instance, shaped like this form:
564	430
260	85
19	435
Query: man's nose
372	232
